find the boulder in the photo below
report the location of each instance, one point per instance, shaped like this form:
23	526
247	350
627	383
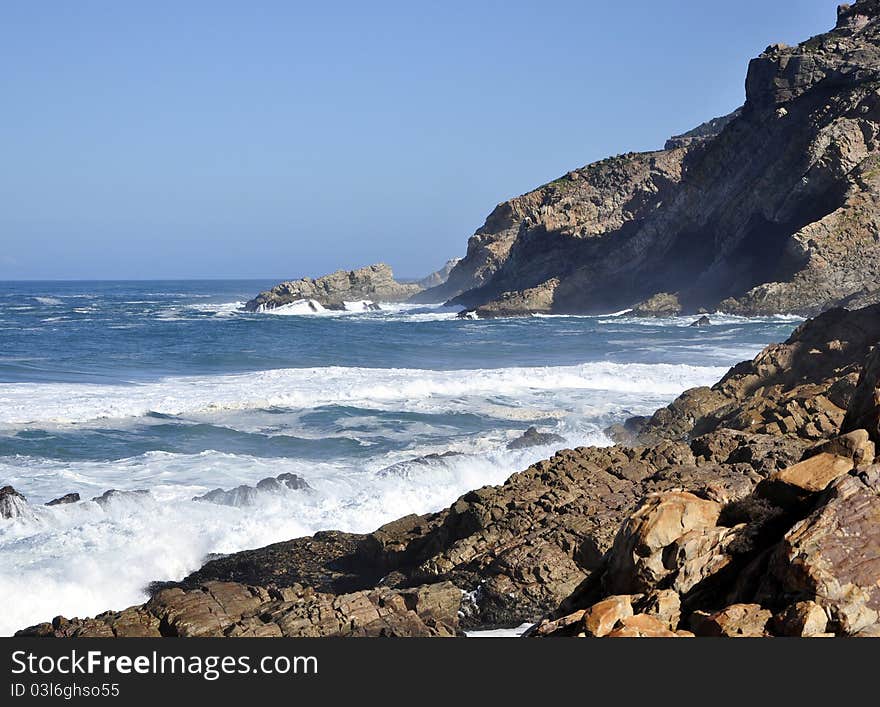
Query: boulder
249	495
642	626
804	618
635	563
737	620
601	618
807	477
664	605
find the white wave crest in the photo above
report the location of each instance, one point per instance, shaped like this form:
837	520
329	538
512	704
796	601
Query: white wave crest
401	388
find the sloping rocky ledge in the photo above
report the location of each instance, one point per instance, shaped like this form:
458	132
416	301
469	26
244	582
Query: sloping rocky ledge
748	508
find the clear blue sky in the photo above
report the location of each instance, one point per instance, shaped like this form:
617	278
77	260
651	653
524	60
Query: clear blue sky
279	139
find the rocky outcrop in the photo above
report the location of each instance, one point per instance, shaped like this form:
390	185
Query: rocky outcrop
375	283
436	279
248	495
236	610
771	209
801	565
663	304
803	386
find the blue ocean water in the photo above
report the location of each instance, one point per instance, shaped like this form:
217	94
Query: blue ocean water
172	388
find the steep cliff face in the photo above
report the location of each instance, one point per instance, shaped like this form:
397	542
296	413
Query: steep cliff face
777	212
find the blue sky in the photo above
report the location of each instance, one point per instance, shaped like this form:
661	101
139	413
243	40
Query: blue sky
280	139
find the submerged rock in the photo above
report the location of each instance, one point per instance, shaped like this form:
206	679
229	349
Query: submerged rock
249	495
64	500
703	321
12	503
532	438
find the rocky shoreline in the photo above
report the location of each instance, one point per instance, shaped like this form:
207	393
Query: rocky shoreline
747	508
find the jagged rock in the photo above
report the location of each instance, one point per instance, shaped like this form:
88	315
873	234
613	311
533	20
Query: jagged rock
532	438
601	618
636	563
775	209
115	494
249	495
832	557
802	386
738	620
809	476
405	468
375	283
641	626
534	300
864	412
435	279
805	618
703	321
662	304
65	499
709	129
664	605
855	445
12	503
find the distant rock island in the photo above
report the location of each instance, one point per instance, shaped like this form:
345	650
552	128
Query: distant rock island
374	283
771	209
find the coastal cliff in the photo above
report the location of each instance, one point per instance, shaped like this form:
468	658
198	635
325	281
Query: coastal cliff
747	508
773	208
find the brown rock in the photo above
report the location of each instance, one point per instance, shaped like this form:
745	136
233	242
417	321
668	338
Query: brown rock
833	557
805	618
642	626
814	474
737	620
664	605
602	617
635	563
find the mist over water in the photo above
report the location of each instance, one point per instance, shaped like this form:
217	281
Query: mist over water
169	387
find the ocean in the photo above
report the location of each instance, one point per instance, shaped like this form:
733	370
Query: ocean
169	387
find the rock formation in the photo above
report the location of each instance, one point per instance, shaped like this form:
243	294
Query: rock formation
375	283
436	278
12	503
771	209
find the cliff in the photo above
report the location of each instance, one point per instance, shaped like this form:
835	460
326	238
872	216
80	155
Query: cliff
771	209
